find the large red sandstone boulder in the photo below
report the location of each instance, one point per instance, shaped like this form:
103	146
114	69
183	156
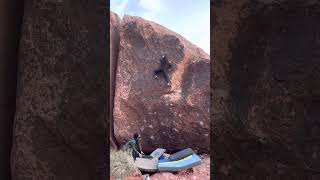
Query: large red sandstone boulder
266	91
173	117
114	54
60	128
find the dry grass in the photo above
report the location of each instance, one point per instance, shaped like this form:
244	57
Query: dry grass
121	164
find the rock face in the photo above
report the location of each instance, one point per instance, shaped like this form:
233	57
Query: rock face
10	22
114	54
266	90
173	117
60	127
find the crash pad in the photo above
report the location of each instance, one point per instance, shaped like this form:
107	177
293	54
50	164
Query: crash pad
147	165
158	152
165	164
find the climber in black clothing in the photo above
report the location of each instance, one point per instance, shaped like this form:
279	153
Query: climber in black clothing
137	139
135	148
165	65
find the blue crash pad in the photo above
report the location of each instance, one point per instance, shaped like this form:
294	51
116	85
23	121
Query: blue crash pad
165	164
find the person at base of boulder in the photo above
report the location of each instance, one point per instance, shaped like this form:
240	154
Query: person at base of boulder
134	147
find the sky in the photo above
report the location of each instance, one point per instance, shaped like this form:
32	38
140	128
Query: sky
189	18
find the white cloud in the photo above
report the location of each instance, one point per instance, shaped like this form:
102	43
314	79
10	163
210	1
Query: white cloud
153	6
119	9
151	9
195	26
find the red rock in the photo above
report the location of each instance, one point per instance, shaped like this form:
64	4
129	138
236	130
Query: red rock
173	117
265	89
60	129
114	53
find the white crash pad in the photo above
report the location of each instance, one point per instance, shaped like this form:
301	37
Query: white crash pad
147	165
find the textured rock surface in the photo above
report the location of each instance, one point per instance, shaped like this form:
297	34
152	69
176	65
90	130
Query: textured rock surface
114	54
173	117
266	96
10	22
60	126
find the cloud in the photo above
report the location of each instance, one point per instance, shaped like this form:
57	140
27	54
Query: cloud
151	9
119	9
195	28
184	17
153	6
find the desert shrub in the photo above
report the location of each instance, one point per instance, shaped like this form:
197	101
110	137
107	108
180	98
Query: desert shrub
121	164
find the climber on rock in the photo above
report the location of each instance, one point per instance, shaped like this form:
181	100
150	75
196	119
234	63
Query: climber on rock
165	65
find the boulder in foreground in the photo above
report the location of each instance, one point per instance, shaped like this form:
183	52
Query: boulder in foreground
173	117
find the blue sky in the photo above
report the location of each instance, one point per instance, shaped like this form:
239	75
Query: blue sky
190	18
